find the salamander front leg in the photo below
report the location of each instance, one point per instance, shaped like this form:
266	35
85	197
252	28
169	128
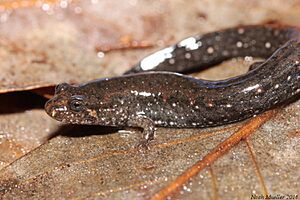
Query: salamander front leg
147	125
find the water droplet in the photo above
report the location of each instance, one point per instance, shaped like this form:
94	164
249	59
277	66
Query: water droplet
239	44
100	54
248	58
268	45
63	4
45	7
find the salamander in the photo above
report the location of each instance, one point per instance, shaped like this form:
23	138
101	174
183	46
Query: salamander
153	93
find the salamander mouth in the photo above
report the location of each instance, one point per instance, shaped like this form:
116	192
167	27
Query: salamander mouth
55	108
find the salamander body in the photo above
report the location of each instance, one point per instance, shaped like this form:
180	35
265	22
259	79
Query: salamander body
169	99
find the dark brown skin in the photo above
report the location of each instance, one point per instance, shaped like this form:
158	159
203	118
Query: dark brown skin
170	99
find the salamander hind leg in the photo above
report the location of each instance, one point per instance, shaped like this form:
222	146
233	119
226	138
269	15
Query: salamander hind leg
146	124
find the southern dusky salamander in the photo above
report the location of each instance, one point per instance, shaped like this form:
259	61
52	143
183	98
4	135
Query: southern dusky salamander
169	99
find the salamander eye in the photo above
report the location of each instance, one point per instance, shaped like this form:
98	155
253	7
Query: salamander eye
77	103
61	87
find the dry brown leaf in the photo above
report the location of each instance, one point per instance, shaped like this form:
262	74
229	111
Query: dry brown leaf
23	125
109	165
98	163
57	41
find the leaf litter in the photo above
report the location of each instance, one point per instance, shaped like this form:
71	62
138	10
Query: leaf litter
97	162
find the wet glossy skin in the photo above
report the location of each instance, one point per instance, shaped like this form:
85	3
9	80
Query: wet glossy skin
170	99
202	51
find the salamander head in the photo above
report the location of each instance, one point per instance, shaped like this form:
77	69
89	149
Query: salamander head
72	104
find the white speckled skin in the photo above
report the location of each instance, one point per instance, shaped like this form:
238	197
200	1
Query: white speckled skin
169	99
200	52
